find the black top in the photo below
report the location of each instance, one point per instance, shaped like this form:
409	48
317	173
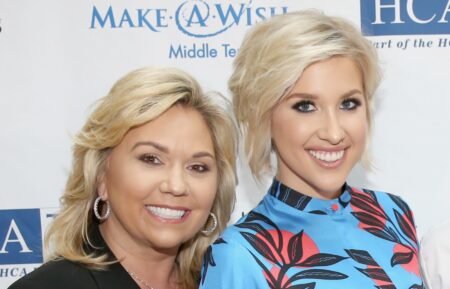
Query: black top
71	275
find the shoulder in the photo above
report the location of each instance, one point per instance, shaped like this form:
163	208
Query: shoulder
230	245
241	236
437	237
56	274
387	201
229	264
232	261
384	210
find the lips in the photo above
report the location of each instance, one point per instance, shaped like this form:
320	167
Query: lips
166	213
327	156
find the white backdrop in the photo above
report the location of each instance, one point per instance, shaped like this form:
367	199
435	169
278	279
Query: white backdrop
58	57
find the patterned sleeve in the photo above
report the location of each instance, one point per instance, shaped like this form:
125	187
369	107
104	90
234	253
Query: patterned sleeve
228	264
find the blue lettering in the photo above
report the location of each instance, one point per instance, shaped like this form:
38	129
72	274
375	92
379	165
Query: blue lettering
102	21
273	10
249	16
229	52
126	18
259	13
175	53
160	17
143	20
230	11
198	16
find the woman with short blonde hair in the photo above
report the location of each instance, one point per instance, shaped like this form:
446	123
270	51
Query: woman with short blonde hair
302	89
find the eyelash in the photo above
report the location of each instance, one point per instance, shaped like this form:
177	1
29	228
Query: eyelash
154	160
299	106
304	106
150	159
355	102
201	169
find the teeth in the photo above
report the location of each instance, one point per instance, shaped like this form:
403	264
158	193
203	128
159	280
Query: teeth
166	212
327	156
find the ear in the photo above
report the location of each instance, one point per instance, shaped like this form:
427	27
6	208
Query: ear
102	189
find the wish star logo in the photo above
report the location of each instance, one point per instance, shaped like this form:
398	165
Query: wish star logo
194	18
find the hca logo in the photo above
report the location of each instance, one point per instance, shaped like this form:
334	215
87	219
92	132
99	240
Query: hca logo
405	17
20	236
195	18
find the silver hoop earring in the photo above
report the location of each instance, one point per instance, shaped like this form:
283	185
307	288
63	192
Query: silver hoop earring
97	214
214	226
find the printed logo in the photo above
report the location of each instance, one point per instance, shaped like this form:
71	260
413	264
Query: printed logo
20	236
405	17
194	18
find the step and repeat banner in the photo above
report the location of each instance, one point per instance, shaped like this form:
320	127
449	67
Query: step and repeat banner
58	57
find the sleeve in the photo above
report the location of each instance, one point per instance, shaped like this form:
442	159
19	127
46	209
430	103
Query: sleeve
56	275
434	256
228	264
427	260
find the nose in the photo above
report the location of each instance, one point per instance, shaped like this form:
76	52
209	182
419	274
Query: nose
174	182
331	129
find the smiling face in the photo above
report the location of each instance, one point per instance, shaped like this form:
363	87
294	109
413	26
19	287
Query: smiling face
319	130
160	181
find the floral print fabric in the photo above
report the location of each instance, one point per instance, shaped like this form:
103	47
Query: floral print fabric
363	239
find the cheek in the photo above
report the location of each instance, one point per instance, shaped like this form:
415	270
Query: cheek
131	184
205	191
288	131
359	133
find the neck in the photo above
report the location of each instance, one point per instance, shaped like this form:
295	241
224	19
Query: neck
155	266
303	187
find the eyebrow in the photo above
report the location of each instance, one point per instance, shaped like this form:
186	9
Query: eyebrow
203	154
152	144
313	96
352	92
166	150
302	95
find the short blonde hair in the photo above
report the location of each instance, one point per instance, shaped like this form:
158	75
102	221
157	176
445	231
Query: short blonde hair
272	58
137	98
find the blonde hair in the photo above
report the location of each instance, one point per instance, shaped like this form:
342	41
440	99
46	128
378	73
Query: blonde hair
272	58
137	98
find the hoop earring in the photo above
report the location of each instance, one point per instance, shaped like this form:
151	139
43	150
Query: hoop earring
214	226
96	213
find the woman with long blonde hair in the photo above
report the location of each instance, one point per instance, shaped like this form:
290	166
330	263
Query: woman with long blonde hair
152	184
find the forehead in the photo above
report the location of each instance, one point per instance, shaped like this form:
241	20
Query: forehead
333	76
180	127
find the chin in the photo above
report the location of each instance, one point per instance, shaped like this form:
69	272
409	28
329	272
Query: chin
168	241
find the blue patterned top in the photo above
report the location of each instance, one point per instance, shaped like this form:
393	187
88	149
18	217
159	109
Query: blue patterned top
363	239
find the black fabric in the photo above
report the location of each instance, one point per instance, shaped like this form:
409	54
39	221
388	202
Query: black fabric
66	274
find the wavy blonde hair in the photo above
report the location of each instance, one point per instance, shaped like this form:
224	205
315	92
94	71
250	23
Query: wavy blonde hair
137	98
273	56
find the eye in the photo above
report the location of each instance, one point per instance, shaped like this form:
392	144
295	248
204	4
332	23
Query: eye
150	159
350	104
304	106
199	168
